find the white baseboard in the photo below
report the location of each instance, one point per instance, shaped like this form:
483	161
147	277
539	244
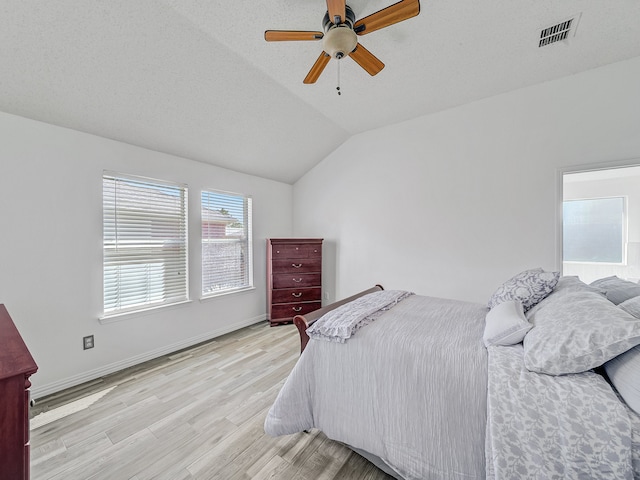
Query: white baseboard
39	391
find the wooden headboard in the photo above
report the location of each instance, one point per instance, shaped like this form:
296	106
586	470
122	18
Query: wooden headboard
302	322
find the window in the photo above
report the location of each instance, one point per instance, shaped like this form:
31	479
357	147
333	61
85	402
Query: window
144	243
593	230
226	243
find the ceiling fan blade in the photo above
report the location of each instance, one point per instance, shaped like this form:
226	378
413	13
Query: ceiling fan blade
317	68
289	35
387	16
366	60
337	8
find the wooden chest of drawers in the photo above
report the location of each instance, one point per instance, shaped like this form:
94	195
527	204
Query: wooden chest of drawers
16	366
294	278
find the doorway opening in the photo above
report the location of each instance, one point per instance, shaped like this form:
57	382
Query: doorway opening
601	223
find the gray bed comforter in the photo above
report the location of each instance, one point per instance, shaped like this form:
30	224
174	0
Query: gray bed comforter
410	388
545	427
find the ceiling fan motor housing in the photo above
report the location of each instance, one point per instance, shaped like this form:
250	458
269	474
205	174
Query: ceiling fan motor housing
340	41
327	22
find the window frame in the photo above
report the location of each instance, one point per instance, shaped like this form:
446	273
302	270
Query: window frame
246	242
172	229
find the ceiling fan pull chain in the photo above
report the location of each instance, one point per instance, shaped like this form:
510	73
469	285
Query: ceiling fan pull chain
338	87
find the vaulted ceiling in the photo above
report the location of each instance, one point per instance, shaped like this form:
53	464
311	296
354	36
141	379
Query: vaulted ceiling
195	78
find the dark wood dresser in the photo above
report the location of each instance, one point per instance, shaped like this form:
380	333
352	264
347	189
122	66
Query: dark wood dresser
16	366
294	278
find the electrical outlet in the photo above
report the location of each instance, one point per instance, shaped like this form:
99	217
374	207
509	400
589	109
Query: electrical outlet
87	342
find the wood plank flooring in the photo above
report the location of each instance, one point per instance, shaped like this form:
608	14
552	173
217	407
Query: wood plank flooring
196	414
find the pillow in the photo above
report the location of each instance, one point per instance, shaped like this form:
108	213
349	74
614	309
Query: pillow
631	306
572	283
580	331
565	285
529	287
505	324
618	290
624	373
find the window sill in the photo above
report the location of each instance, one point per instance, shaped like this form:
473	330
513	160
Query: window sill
604	264
118	317
224	294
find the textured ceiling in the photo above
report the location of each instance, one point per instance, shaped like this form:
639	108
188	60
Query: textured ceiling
195	78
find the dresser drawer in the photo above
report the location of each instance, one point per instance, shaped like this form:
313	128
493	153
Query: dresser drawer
297	265
296	251
286	310
289	295
296	280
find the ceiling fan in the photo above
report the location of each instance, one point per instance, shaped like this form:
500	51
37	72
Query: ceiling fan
340	36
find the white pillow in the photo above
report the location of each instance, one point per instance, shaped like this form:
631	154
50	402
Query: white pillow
505	324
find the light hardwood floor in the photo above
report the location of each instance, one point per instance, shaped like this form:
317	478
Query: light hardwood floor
196	414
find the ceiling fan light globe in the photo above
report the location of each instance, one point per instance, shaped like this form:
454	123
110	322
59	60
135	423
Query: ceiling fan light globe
339	41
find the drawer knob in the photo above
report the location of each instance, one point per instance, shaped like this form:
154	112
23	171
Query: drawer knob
297	309
297	295
297	280
296	265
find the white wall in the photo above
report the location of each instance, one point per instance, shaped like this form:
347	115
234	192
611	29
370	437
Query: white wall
51	251
454	203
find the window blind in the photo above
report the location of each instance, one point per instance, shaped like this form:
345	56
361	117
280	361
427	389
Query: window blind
227	263
144	243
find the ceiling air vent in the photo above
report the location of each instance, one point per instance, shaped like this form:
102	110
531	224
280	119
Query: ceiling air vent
557	33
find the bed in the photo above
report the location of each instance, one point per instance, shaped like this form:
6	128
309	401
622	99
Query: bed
432	388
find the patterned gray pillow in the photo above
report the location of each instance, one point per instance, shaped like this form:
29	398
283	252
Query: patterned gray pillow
566	285
529	287
582	331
